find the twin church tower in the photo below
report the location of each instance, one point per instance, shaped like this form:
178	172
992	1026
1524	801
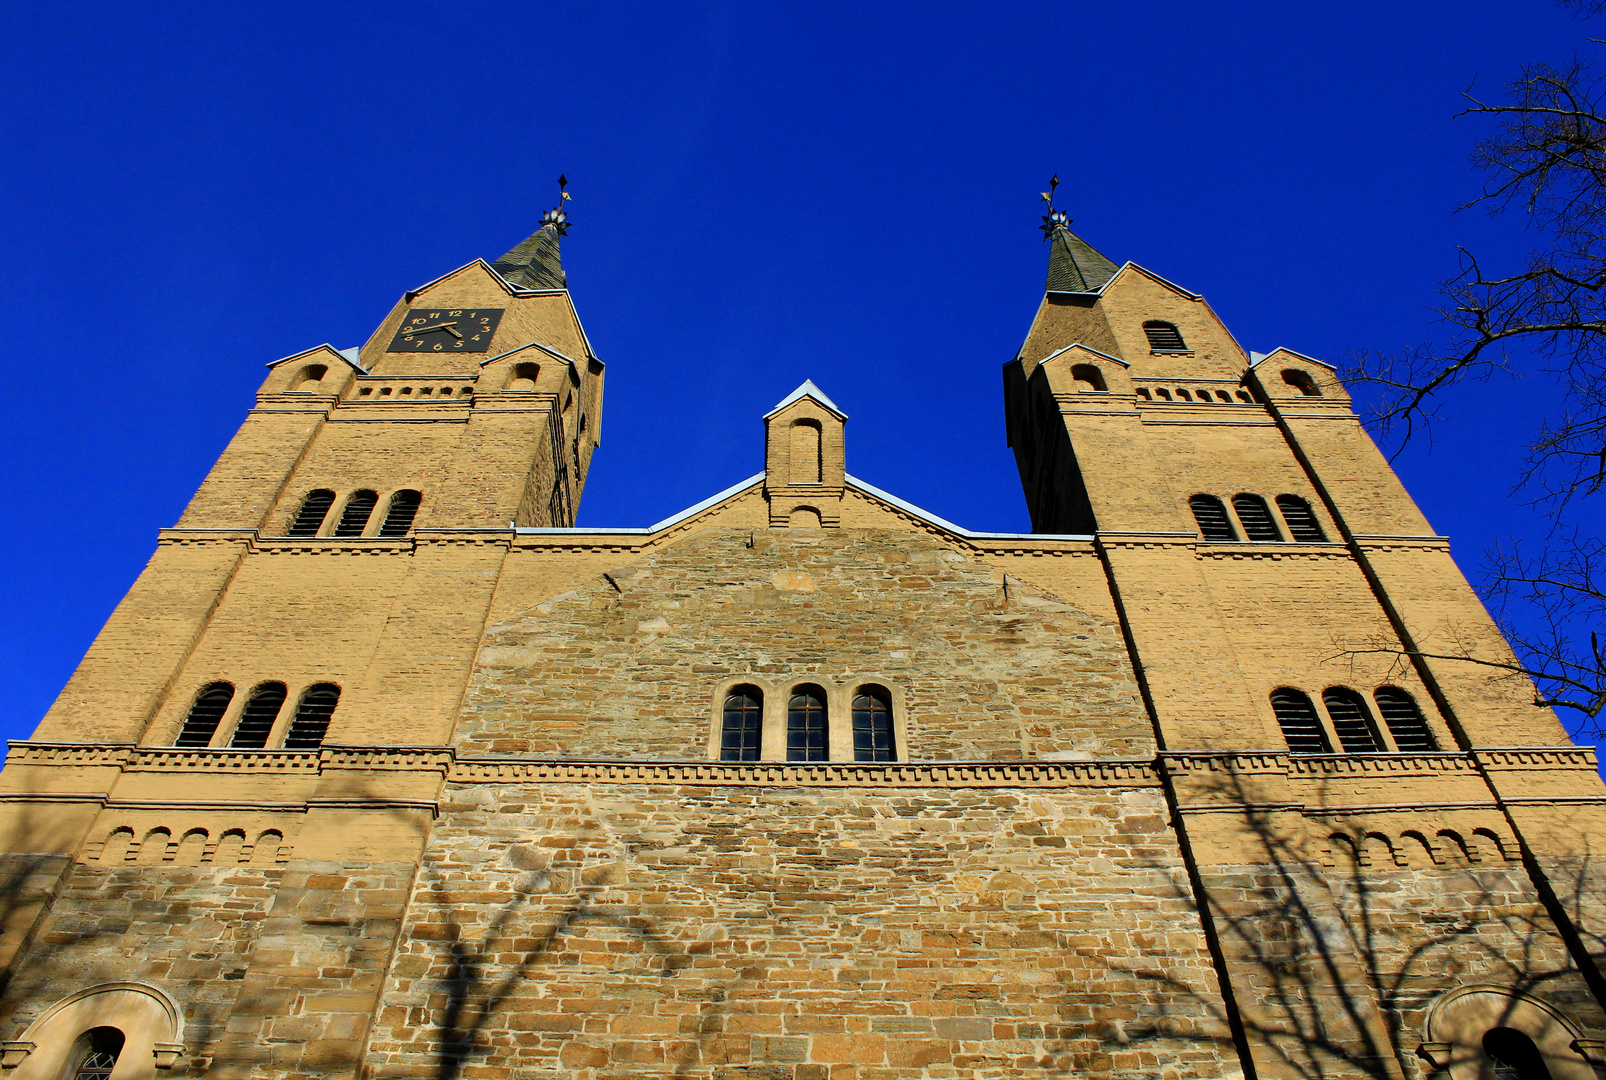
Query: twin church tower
383	768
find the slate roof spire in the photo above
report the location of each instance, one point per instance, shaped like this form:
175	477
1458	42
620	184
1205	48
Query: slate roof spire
1074	265
538	263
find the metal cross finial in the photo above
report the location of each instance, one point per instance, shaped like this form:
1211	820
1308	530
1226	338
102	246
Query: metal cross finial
1054	219
556	217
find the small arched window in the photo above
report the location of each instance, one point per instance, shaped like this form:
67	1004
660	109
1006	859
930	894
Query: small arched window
256	719
806	737
1163	394
1164	336
1301	381
523	378
1302	523
95	1054
1183	395
872	725
806	437
1404	720
1513	1055
1088	378
399	515
314	508
742	724
205	715
359	508
1142	393
1212	518
1302	728
308	378
311	721
1352	721
1256	518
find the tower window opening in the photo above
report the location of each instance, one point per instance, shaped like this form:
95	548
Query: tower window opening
1513	1055
311	721
308	378
1301	381
1404	720
806	452
742	725
256	719
1143	393
1243	395
1256	517
1302	728
205	715
96	1053
1183	395
314	508
1211	515
1352	721
806	738
399	515
1163	394
1164	336
1302	523
523	379
359	508
872	725
1224	396
1088	378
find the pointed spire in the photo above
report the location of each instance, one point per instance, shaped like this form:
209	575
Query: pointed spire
1074	265
538	263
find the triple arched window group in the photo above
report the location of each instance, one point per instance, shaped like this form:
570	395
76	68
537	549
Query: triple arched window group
808	725
1350	721
356	516
1256	519
258	718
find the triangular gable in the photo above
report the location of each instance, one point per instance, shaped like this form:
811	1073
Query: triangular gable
348	356
1130	265
808	390
947	526
713	502
549	350
410	295
1086	349
1255	358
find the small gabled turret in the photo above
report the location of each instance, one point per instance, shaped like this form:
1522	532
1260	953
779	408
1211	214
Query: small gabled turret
537	263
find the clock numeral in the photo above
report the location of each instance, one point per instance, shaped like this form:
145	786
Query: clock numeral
457	313
437	346
476	337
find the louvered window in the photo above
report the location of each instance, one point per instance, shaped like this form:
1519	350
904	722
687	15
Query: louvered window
205	715
1301	521
1404	720
256	719
311	722
743	724
872	725
354	519
399	517
806	738
97	1053
1212	518
1256	518
1302	728
1164	336
1352	721
314	508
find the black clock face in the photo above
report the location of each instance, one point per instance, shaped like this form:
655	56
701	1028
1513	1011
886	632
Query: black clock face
446	330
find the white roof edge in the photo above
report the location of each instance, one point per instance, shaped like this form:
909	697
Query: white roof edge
927	516
1084	348
808	389
350	356
675	519
1253	362
534	345
1167	282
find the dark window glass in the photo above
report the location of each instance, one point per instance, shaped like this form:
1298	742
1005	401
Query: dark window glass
354	519
97	1052
806	738
399	517
1302	729
1404	720
1302	524
872	725
311	722
256	719
309	519
1352	721
743	724
1164	336
1212	518
201	724
1513	1055
1256	518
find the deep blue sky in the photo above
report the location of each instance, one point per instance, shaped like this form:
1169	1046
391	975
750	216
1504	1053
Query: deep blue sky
762	194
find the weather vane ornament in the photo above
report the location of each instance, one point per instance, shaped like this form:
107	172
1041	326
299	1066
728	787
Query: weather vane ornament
1054	219
556	218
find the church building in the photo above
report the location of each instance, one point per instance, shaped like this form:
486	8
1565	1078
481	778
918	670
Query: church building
385	769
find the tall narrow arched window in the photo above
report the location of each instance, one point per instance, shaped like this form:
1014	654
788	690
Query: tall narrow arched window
399	515
1301	381
205	715
95	1054
1302	523
1212	518
314	508
806	437
806	732
311	721
742	724
1256	517
1352	721
1302	728
1164	336
1513	1055
872	725
354	518
256	719
1404	720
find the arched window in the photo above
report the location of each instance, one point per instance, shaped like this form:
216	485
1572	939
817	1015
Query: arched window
1212	518
256	719
806	452
1256	517
1404	720
359	508
399	515
742	725
806	738
311	721
1302	728
1162	393
1164	336
205	715
96	1053
314	508
872	725
308	378
1301	381
1302	523
1088	378
1352	721
522	380
1183	395
1144	394
1513	1055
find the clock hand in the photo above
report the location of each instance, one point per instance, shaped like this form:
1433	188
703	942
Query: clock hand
447	326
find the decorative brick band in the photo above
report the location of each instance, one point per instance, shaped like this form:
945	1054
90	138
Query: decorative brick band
1120	773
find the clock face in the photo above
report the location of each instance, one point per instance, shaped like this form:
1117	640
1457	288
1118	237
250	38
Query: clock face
446	330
